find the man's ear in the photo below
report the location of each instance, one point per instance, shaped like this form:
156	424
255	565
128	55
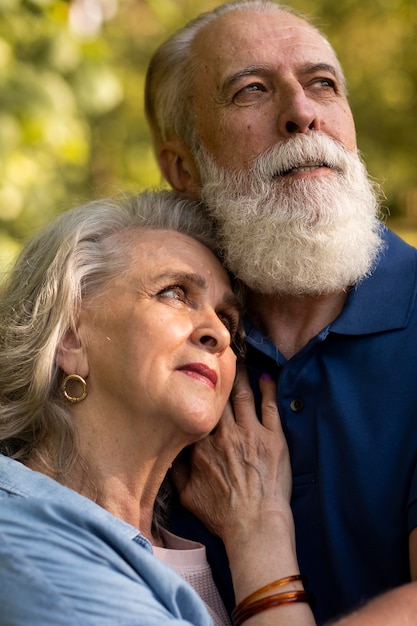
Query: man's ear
71	356
179	168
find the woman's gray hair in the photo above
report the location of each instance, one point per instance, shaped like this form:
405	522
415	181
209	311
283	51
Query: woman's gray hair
168	97
68	261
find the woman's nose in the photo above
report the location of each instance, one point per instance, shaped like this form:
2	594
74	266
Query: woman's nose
211	333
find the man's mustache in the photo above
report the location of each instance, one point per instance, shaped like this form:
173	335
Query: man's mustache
302	152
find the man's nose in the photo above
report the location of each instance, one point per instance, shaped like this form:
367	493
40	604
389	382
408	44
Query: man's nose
297	112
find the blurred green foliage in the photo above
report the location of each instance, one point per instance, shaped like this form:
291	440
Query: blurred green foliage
71	98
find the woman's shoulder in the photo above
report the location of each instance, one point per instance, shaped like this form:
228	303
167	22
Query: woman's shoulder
60	549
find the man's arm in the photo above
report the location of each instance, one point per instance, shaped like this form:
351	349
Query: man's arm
394	608
397	607
413	554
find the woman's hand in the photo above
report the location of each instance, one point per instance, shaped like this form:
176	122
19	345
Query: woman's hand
240	474
239	484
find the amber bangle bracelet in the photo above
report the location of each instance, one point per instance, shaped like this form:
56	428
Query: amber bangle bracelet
270	602
273	585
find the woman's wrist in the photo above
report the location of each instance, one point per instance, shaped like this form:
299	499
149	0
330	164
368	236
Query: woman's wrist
275	594
265	553
259	529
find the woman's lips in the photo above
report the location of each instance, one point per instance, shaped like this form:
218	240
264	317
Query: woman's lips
200	371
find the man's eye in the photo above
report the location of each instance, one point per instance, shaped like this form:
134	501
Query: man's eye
253	87
325	82
245	94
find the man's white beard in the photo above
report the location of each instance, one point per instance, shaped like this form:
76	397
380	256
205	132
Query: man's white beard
299	236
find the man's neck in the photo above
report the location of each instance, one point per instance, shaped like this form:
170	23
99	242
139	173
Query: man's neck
291	321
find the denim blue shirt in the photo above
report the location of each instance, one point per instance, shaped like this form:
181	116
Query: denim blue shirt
66	561
348	404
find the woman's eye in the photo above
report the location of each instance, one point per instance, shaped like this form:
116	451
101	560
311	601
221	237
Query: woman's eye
230	322
235	328
175	292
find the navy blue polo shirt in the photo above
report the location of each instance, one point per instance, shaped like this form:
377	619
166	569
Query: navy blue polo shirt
348	404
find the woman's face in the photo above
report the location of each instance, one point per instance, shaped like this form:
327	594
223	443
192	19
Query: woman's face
156	345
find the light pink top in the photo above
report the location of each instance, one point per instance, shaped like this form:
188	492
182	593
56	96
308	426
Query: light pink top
188	559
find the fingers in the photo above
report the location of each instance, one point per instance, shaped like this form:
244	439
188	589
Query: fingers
244	404
270	414
227	419
242	399
242	468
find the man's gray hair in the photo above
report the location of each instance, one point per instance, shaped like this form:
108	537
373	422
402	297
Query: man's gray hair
168	97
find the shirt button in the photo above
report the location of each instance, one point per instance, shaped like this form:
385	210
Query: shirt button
296	405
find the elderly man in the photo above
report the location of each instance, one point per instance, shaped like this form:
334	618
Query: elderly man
248	110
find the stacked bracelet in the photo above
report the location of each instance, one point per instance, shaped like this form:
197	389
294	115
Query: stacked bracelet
254	604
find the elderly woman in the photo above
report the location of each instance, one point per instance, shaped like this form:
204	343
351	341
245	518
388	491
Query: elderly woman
117	326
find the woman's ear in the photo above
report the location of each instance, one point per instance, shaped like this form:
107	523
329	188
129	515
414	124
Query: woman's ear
178	168
71	355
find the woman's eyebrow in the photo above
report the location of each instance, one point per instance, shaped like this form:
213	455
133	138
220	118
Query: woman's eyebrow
191	277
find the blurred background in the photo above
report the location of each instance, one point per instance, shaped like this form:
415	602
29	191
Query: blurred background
72	125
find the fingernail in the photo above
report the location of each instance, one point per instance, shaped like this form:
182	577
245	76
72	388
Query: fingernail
266	376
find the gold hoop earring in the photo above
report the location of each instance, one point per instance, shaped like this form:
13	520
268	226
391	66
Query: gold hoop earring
79	379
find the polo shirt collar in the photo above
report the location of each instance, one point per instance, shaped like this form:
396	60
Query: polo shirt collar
383	301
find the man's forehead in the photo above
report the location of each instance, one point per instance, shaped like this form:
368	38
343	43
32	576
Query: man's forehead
246	38
249	24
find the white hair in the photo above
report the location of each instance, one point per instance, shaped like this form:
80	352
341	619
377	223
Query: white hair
168	97
289	235
70	260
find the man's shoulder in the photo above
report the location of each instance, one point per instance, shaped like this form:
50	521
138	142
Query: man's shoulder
386	298
397	247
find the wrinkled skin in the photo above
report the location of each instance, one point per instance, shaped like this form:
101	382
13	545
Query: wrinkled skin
241	471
